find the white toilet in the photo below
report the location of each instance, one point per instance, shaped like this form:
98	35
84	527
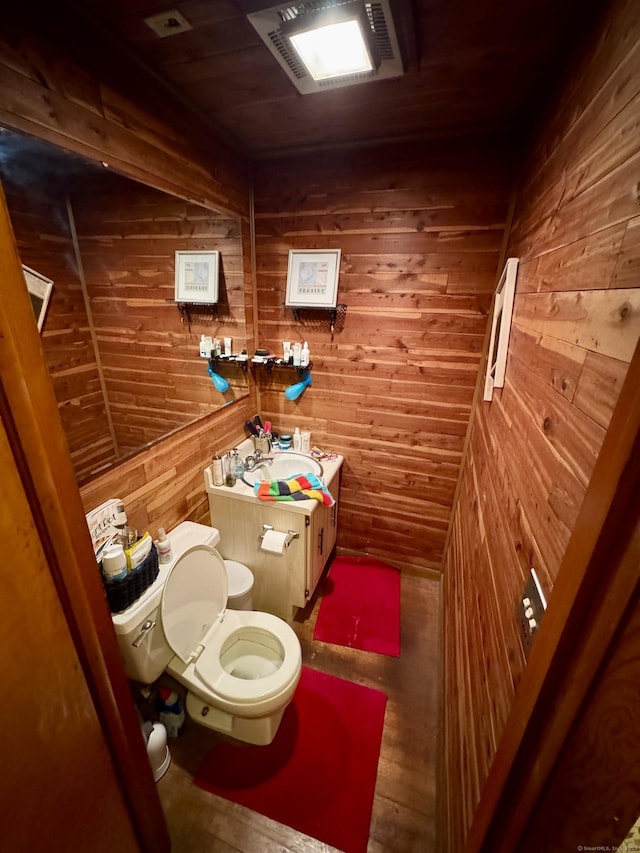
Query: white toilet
240	667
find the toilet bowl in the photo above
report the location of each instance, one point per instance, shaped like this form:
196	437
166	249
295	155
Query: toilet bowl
240	667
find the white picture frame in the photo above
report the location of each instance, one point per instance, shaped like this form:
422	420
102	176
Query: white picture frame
500	329
197	277
312	278
39	287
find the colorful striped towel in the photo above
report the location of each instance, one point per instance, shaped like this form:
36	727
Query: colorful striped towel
299	488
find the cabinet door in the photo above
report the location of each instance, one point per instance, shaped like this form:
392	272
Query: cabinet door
317	550
331	516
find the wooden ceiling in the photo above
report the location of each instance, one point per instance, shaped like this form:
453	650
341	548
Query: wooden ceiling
474	70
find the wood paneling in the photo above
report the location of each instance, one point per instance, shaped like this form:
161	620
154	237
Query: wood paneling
392	390
44	93
75	90
164	484
534	447
469	72
154	378
41	228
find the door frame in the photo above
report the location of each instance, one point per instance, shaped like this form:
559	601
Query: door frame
29	411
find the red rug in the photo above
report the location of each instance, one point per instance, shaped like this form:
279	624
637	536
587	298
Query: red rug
360	606
318	775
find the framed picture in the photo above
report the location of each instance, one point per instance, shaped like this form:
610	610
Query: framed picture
500	329
39	287
197	277
312	278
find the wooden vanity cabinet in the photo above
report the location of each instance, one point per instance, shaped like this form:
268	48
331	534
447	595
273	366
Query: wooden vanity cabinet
283	582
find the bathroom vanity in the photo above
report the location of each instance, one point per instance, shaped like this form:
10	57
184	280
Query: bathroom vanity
283	582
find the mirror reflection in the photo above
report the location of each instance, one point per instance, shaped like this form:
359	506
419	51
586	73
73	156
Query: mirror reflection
125	363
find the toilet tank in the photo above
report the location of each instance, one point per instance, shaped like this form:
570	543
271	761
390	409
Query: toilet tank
146	662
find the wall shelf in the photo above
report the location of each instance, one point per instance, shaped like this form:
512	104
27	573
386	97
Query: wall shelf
320	318
241	361
191	311
272	363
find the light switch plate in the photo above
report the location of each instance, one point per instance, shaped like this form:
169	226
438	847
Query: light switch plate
530	611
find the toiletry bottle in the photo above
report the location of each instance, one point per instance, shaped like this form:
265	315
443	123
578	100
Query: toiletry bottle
286	351
305	441
227	346
114	563
239	464
297	440
230	469
297	352
304	355
217	468
163	544
171	713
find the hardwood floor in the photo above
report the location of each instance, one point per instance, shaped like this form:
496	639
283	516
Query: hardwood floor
403	819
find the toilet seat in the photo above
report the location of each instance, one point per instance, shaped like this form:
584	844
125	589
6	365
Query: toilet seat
257	628
206	636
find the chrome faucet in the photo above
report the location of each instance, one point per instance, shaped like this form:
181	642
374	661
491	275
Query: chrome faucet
263	457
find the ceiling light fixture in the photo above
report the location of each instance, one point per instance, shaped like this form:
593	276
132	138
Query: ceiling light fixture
312	41
333	42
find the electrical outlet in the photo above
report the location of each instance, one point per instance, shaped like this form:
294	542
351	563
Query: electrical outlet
530	611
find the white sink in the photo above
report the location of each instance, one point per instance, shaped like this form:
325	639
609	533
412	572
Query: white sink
283	466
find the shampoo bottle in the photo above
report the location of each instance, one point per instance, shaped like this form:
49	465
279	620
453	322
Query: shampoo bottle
297	354
297	439
304	355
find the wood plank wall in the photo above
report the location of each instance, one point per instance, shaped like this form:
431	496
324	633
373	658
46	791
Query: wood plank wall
43	93
533	448
41	227
420	236
128	235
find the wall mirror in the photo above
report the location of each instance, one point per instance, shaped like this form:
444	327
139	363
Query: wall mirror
125	365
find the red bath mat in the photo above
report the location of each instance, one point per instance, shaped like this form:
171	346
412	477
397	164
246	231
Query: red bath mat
319	774
360	606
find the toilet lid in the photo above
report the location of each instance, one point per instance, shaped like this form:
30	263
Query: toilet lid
194	597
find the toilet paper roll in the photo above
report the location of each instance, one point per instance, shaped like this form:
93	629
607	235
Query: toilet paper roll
274	541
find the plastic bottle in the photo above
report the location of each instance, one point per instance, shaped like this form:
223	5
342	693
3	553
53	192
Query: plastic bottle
305	355
171	714
297	353
163	544
217	467
297	439
205	347
114	563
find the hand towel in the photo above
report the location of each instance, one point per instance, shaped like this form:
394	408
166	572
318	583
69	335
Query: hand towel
299	488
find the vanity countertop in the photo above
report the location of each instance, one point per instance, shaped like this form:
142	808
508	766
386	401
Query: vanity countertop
241	491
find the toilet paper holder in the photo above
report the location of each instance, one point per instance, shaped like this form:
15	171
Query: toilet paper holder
291	534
